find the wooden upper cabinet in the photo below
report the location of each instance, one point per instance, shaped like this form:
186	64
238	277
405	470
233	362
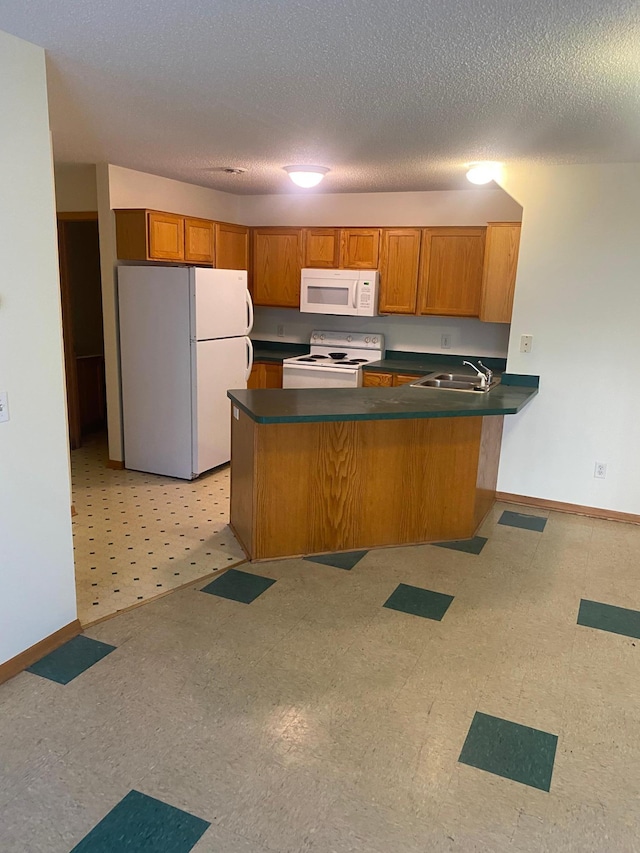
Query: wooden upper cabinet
198	241
451	271
399	267
499	276
232	246
277	261
359	248
321	248
166	236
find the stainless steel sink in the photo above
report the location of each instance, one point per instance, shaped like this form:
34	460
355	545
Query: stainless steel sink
455	382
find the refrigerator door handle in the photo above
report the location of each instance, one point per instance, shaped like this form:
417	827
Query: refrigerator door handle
249	357
249	313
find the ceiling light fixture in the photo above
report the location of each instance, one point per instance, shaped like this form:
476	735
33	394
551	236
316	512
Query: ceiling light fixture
306	176
482	173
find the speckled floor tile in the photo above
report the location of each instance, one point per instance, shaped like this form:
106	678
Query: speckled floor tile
314	720
139	535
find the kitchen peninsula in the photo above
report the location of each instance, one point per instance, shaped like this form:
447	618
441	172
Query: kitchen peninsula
338	469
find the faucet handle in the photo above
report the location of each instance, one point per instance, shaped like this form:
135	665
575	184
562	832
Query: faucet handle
487	370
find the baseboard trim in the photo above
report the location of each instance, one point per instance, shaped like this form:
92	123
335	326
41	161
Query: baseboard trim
116	464
573	509
39	650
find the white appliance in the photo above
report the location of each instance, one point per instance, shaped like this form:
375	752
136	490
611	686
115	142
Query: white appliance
183	344
334	361
353	293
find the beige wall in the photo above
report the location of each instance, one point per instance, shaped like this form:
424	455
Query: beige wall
578	294
37	594
75	187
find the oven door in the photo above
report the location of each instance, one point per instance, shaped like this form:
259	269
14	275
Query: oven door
309	376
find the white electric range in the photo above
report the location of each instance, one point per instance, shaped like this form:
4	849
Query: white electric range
334	361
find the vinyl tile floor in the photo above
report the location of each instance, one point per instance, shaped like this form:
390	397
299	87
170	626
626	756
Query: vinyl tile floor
301	715
138	535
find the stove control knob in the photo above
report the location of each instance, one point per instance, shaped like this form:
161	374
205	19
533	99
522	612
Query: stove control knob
366	340
321	337
374	340
349	338
315	337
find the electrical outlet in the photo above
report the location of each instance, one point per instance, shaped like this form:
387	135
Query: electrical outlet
4	407
600	471
445	342
526	343
281	331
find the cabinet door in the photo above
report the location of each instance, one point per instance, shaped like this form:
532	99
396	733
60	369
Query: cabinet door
499	277
321	248
399	267
198	241
166	236
359	248
257	376
273	375
451	271
404	378
376	380
232	246
277	261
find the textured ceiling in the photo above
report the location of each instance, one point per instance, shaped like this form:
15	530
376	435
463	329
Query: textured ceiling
390	94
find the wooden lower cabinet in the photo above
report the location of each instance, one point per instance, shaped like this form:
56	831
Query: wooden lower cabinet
360	484
387	380
265	374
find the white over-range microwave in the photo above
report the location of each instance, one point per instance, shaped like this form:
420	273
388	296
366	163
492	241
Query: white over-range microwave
352	293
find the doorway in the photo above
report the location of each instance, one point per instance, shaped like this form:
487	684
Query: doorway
81	294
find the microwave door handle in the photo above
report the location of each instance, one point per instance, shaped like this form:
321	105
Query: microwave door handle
355	293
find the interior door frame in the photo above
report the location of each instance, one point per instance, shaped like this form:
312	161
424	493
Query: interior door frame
70	368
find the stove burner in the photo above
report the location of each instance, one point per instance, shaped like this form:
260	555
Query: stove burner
318	357
358	360
338	356
307	359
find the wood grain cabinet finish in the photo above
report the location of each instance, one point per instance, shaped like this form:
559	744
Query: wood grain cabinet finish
451	271
232	246
405	378
277	261
321	248
499	274
198	241
399	268
359	248
376	380
265	374
166	236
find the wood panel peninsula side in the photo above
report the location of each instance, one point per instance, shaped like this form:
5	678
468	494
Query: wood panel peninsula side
314	471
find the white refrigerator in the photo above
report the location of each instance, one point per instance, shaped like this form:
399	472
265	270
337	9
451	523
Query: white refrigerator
183	343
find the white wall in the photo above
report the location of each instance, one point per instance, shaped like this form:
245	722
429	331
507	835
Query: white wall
37	595
578	294
75	187
459	207
126	188
413	334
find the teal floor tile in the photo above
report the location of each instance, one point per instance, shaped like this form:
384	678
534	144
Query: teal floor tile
418	601
607	617
141	824
510	750
523	519
339	561
70	660
239	586
469	546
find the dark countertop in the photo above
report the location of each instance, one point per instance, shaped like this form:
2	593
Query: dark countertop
273	406
277	351
425	362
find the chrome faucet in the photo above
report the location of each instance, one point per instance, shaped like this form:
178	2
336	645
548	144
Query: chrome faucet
485	375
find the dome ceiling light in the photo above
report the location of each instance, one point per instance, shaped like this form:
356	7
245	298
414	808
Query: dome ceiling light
306	176
483	172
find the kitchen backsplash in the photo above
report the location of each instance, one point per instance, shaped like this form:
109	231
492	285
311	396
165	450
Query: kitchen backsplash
413	334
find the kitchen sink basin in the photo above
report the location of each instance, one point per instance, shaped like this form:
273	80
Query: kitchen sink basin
455	382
